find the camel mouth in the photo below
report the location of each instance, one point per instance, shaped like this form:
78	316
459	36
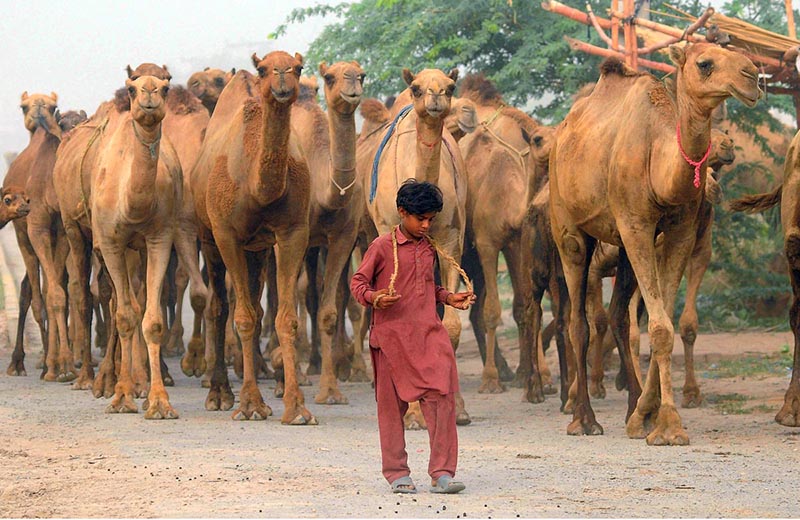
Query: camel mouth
467	128
750	99
435	112
726	160
353	99
23	212
282	96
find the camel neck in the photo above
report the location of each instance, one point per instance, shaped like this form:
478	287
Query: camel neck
140	190
429	149
691	140
269	183
342	128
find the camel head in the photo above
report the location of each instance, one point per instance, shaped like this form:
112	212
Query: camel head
148	95
309	88
709	74
71	119
344	82
280	76
15	203
722	151
208	84
41	110
431	92
149	69
541	140
463	117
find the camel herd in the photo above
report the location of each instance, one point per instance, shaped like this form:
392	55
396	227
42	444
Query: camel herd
240	182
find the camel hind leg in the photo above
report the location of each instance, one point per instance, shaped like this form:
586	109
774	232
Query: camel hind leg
789	414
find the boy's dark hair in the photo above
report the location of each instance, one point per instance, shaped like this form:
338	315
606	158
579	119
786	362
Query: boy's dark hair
419	198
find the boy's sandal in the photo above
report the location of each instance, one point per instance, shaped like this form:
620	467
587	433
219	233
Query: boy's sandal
404	485
446	484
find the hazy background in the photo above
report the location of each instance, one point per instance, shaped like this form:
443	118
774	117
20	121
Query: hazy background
79	49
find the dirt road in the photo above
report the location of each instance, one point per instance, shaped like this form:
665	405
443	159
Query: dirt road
62	456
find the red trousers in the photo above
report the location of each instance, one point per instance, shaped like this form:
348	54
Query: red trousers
439	411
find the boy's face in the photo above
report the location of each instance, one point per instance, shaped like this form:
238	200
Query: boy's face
416	225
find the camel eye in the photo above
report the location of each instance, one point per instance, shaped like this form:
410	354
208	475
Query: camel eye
164	91
298	70
537	140
132	91
361	78
705	67
450	90
416	91
7	201
261	71
219	82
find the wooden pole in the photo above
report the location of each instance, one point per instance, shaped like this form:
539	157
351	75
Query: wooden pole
627	8
577	45
634	39
790	19
614	25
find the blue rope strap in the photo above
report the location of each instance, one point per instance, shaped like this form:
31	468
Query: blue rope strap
374	187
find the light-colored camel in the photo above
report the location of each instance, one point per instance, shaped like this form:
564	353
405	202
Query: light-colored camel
420	147
502	181
329	147
41	119
208	84
623	183
787	194
136	196
251	189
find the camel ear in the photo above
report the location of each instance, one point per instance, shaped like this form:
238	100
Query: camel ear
677	54
525	135
129	70
453	74
169	76
54	96
357	64
298	57
323	68
408	77
24	95
83	114
205	69
255	59
233	71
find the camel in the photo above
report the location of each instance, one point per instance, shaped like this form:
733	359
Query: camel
136	196
42	120
623	183
602	265
499	164
420	134
251	190
788	196
16	204
208	84
328	144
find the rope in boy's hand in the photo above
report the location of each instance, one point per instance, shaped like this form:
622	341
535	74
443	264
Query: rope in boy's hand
461	300
383	299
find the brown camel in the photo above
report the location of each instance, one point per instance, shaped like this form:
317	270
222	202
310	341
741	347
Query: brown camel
787	195
436	158
136	196
499	168
208	84
251	190
623	183
16	204
329	147
42	120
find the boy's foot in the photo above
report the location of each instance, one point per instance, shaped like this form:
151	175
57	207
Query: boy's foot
446	484
404	485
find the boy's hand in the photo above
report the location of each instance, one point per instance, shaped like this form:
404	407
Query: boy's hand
461	300
382	300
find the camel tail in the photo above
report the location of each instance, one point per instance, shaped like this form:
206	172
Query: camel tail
374	111
757	203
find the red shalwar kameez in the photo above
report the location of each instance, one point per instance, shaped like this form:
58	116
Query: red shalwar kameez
412	357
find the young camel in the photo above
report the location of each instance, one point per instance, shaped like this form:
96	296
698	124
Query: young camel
787	194
41	119
624	183
136	196
436	158
251	191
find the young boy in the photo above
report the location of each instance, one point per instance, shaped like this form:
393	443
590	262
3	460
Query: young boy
412	357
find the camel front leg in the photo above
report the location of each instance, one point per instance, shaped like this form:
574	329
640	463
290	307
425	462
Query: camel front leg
518	254
327	317
251	403
598	325
17	365
127	323
157	405
490	379
291	247
80	301
35	301
688	323
656	404
789	414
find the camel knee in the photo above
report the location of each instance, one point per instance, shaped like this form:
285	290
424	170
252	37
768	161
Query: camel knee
327	319
491	315
245	321
661	334
58	298
126	323
153	329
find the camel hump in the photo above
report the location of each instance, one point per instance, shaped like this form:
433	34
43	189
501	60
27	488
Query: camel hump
181	101
616	66
757	203
122	101
374	111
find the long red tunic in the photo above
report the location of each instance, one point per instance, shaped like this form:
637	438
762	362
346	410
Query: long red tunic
410	333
